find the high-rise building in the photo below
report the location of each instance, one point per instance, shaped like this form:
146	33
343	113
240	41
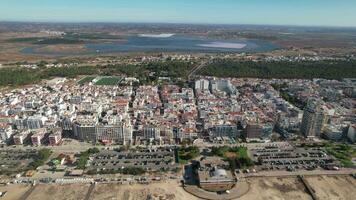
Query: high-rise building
94	132
5	131
332	132
222	85
313	119
202	84
351	134
151	132
35	122
66	124
120	132
224	131
256	130
84	131
253	130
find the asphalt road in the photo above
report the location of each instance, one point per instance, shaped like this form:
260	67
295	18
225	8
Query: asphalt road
195	69
345	171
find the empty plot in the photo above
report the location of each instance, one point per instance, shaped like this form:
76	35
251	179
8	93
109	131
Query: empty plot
13	191
333	187
275	189
168	191
60	192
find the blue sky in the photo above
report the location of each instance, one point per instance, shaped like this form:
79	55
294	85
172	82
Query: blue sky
279	12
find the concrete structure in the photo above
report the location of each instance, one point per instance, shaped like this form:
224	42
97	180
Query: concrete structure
258	131
333	133
224	131
253	131
66	124
222	85
55	138
38	137
21	137
313	119
121	133
151	133
95	132
215	179
351	134
35	122
5	132
84	131
202	84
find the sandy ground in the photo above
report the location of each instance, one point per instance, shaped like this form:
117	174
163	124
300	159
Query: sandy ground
13	191
59	192
333	187
275	189
326	187
167	191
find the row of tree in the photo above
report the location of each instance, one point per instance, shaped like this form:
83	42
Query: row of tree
147	72
281	69
21	76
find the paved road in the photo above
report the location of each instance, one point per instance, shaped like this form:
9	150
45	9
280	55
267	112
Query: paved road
297	173
28	193
195	69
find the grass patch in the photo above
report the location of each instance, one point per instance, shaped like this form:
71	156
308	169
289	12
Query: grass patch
87	79
236	156
342	152
84	157
17	76
185	154
126	170
112	80
40	159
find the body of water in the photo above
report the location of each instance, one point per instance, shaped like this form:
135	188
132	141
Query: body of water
174	43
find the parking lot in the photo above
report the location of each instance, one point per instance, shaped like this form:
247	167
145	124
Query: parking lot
13	160
148	159
291	158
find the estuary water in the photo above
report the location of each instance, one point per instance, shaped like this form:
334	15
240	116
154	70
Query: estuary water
172	43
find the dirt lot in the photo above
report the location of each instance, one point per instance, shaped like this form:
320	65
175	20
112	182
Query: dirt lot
59	192
168	191
13	191
275	189
333	187
326	187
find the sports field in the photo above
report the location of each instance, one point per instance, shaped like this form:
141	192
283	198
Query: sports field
108	80
86	79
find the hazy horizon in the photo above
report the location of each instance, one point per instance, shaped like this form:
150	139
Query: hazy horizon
323	13
176	23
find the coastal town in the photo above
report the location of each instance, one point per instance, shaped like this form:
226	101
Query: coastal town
210	135
177	100
115	110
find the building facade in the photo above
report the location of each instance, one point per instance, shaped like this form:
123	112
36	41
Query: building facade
313	120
